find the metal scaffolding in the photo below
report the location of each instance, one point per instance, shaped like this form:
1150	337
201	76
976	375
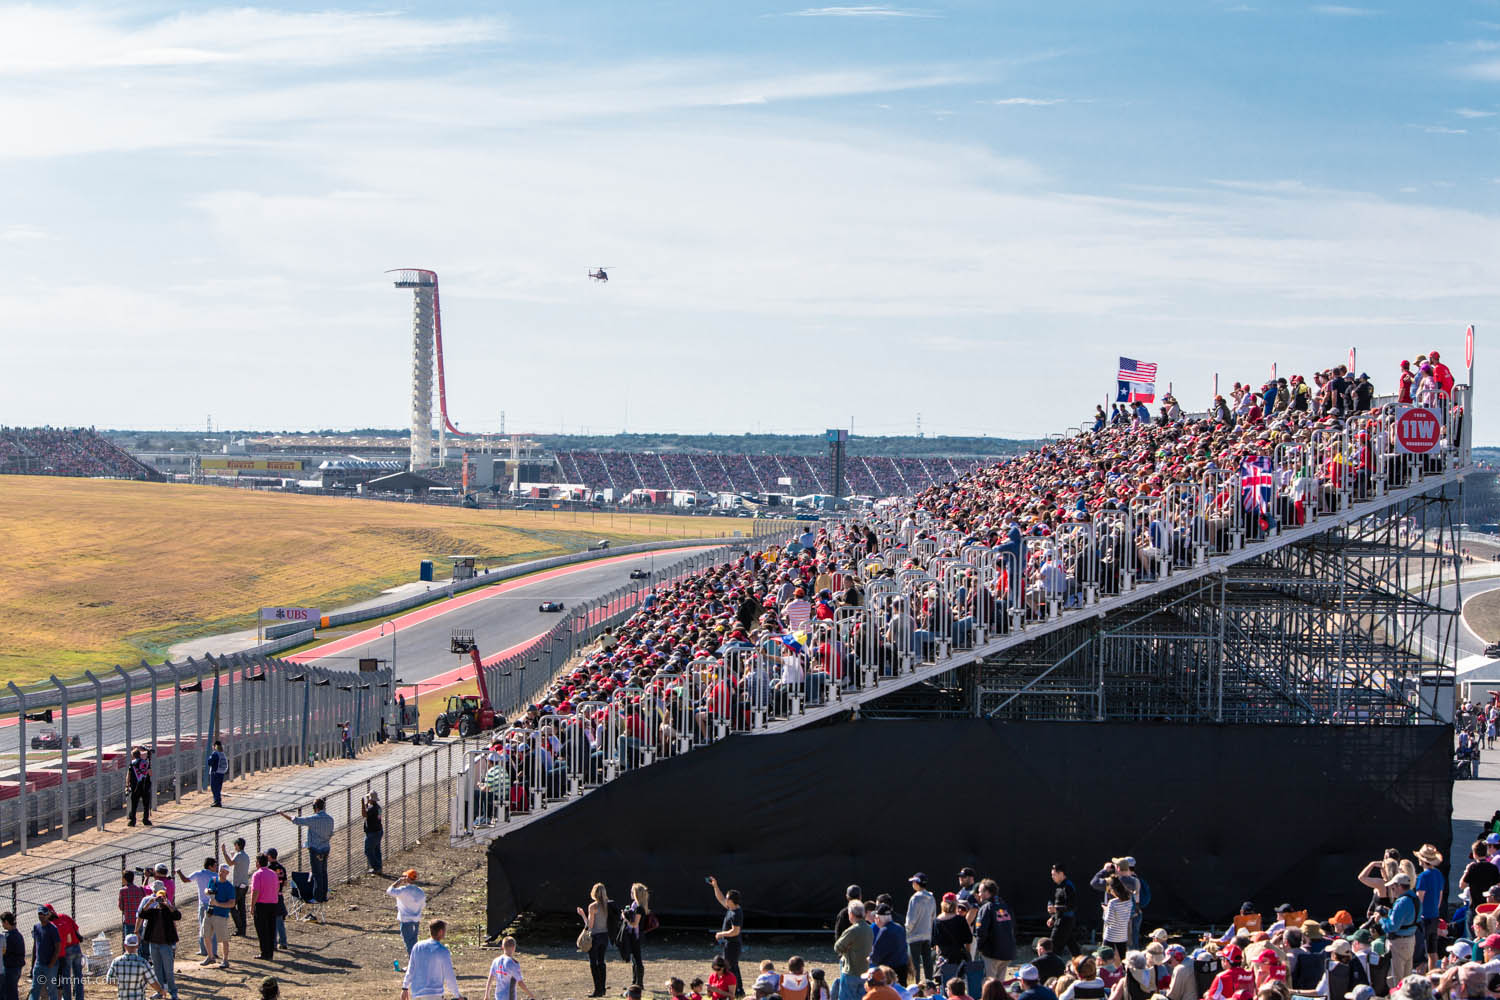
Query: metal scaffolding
1356	624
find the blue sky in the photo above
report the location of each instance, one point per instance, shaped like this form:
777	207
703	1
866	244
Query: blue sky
814	214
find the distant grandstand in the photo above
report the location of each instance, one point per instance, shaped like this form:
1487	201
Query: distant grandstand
734	473
78	451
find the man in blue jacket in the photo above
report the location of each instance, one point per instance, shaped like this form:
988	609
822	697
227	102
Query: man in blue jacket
1401	926
994	931
890	943
46	952
218	770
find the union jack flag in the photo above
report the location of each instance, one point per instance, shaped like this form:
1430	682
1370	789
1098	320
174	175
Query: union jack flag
1257	484
1136	381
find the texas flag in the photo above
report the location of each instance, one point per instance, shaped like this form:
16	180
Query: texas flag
1137	381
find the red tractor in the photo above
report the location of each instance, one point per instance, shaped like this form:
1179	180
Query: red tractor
469	714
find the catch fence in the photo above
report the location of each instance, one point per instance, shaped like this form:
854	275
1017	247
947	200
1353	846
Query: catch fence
268	712
414	794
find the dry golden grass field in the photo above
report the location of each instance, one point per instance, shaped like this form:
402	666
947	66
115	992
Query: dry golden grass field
96	572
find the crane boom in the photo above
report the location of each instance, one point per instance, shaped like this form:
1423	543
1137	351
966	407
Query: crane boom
484	694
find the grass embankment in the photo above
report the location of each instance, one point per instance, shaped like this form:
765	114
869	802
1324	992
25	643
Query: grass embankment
94	573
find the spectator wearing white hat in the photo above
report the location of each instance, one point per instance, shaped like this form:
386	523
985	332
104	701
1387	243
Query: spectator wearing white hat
1032	987
131	974
921	910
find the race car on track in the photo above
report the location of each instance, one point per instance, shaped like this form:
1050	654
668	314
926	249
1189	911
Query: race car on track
550	606
49	739
639	574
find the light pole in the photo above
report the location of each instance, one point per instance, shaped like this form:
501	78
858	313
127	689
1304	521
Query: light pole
416	701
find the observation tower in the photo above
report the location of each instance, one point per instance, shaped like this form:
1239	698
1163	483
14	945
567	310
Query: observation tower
426	341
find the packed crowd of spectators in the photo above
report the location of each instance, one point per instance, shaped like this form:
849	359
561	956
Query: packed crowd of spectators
1407	941
1075	518
79	451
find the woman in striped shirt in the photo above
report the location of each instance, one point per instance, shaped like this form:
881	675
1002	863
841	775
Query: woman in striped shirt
1117	906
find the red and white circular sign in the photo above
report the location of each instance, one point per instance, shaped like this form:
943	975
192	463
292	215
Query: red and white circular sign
1418	429
1469	346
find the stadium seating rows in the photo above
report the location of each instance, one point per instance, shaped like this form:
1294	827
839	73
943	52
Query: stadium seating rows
734	473
79	451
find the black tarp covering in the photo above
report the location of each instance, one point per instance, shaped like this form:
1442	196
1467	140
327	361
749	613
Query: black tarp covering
1214	814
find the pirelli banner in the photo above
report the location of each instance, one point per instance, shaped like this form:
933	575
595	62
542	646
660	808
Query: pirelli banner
240	466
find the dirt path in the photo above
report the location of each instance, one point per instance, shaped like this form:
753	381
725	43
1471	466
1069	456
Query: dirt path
349	957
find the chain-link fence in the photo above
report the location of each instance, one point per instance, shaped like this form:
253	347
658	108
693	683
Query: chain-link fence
414	796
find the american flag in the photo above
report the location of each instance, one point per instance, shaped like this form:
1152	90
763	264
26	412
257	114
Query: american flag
1136	381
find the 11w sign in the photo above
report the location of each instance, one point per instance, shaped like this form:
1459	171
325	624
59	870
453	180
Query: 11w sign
1418	429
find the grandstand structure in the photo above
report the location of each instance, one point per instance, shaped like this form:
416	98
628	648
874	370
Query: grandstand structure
1181	608
64	451
875	476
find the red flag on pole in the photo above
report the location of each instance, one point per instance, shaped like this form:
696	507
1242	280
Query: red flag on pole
1351	361
1273	371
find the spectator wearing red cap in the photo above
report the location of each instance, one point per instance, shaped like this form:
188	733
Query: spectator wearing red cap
951	936
1442	376
1268	967
1236	982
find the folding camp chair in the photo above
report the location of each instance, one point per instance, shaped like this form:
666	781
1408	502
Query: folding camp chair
301	906
1247	922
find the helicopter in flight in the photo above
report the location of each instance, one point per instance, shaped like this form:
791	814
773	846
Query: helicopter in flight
599	274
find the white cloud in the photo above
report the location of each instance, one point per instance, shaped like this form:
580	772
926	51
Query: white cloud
1441	130
85	115
1341	10
42	39
1489	70
1473	113
21	233
863	10
1030	102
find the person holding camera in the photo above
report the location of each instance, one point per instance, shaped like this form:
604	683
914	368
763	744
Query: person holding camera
1401	921
156	924
320	828
369	808
241	862
728	935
